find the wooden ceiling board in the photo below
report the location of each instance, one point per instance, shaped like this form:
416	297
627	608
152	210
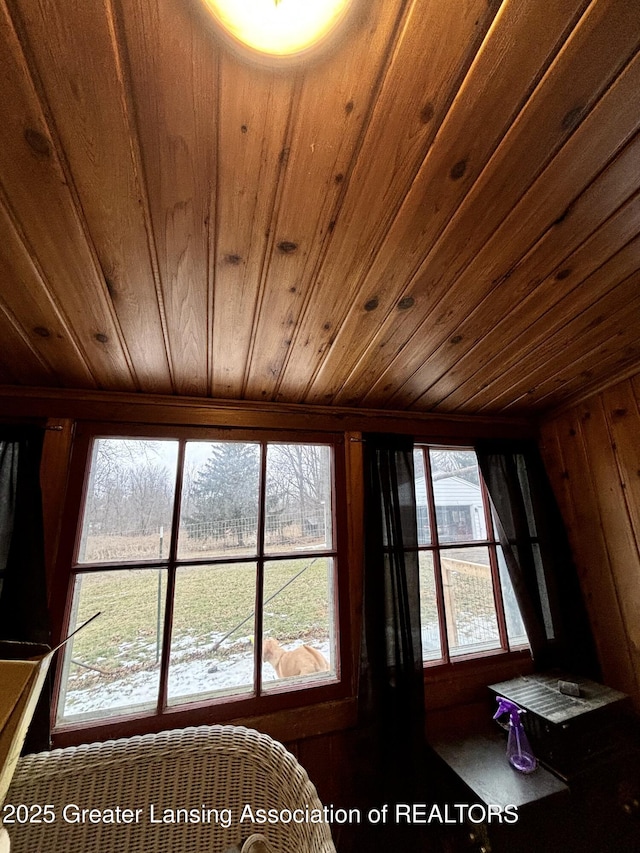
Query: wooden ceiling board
547	203
406	117
173	73
328	119
601	199
446	287
34	312
254	118
93	124
588	273
20	363
437	212
584	384
604	321
610	340
495	86
45	213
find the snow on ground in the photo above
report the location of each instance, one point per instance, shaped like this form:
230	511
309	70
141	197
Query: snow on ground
228	673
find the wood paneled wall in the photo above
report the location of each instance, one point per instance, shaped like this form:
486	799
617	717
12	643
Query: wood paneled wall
592	453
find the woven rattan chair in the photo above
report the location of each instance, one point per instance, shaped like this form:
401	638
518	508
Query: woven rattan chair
204	768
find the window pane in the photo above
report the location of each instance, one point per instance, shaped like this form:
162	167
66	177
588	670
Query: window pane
113	666
515	627
298	611
212	650
458	498
422	506
219	512
472	625
129	502
431	645
298	495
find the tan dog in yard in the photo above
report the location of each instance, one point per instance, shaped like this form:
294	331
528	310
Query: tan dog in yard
301	661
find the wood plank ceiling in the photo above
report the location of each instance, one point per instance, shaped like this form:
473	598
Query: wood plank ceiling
440	212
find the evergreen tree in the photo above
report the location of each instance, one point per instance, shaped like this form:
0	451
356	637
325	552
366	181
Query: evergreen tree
225	489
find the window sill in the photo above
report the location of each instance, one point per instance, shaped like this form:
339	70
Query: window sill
286	724
450	687
473	661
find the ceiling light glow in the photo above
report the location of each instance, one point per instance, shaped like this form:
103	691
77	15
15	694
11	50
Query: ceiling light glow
278	27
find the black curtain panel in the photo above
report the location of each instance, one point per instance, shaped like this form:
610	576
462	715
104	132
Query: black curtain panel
23	591
538	556
393	755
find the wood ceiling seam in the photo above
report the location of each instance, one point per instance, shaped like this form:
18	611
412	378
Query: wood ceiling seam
468	271
121	54
500	366
558	383
561	341
331	144
172	80
583	395
30	69
401	21
361	285
492	52
508	359
521	277
42	279
629	207
364	379
616	213
350	257
623	364
70	41
625	140
42	324
21	333
254	121
273	222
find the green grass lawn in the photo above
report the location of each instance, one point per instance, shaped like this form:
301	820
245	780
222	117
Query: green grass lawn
209	602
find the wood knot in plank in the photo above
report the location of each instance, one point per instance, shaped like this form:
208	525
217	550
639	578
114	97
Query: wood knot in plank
426	113
287	247
458	170
37	142
405	303
573	118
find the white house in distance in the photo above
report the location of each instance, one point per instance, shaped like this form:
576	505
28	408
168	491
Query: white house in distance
458	509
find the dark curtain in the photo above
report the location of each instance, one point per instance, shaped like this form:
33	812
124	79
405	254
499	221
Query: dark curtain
23	591
538	556
393	754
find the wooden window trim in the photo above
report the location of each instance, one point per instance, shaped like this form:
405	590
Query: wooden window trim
449	663
312	702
